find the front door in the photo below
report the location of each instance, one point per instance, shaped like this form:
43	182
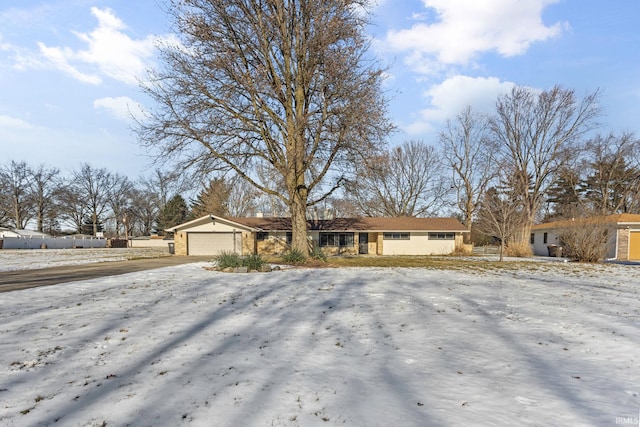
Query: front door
364	243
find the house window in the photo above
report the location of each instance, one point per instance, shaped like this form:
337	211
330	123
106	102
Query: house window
289	237
262	235
544	238
532	239
336	239
442	236
396	236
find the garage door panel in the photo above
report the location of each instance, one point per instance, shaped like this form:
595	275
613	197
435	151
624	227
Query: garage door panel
213	243
634	246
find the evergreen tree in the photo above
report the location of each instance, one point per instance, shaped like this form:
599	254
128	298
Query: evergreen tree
564	197
175	212
213	200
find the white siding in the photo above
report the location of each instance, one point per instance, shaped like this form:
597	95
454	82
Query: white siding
218	226
539	247
418	244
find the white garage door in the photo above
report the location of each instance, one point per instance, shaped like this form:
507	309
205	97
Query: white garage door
213	243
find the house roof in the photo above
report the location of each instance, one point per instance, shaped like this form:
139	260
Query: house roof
607	219
207	219
357	224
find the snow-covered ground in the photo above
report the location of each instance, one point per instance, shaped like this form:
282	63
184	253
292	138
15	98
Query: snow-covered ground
26	259
550	344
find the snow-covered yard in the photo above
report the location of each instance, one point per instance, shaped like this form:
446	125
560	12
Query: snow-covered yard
551	344
26	259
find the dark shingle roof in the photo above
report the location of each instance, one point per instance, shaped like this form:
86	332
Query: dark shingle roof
357	224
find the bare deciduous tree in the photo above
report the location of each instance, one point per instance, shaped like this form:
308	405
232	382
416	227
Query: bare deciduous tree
93	189
470	153
45	188
612	173
242	198
119	202
163	185
282	84
536	133
4	214
15	181
500	217
406	181
142	214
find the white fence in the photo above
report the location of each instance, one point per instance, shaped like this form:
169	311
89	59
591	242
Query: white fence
149	243
52	243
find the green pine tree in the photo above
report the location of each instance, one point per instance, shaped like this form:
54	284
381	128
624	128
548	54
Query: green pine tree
175	212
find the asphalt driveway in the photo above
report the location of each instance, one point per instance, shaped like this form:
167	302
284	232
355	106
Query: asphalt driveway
24	279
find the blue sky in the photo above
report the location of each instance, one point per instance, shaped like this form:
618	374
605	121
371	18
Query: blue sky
69	68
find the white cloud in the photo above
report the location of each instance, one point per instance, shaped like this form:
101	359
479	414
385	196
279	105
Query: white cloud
464	29
110	50
451	96
4	46
59	58
11	123
122	107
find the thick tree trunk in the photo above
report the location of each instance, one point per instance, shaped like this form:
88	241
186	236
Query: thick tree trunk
95	225
468	221
298	210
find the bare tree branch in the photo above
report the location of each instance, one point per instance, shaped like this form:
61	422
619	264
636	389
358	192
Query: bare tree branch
280	85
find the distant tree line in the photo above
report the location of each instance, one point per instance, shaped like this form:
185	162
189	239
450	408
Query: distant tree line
499	174
87	200
90	200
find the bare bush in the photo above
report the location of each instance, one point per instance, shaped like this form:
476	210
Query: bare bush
518	249
587	241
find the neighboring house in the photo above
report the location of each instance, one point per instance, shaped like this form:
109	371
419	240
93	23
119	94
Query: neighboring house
624	237
210	235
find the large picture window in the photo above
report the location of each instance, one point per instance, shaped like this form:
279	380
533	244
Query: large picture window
442	236
397	236
341	240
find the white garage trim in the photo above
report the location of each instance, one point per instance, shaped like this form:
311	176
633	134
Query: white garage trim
213	243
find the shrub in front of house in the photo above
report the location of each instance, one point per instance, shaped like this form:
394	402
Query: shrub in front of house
316	253
586	243
520	250
233	260
227	260
253	262
294	256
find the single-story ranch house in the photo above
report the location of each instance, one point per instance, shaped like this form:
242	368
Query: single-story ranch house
210	235
624	235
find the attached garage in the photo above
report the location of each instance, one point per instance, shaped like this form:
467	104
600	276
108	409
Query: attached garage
634	246
624	235
213	243
209	236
